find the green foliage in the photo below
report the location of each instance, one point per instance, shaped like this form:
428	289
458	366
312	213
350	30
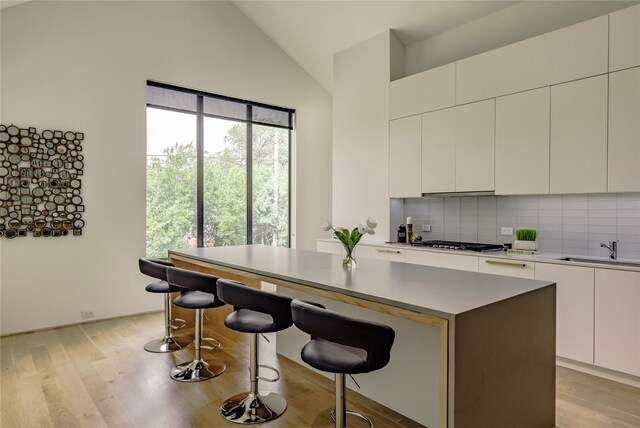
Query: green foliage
171	193
526	234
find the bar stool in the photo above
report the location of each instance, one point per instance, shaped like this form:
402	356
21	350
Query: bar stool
342	345
197	291
157	268
255	312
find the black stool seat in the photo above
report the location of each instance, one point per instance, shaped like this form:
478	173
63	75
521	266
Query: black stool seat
157	268
342	345
198	292
161	287
335	358
255	312
197	300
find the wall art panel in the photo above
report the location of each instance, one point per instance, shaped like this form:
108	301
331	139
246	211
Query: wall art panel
40	182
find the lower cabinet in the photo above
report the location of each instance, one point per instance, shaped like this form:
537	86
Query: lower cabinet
574	309
617	320
386	253
515	268
443	260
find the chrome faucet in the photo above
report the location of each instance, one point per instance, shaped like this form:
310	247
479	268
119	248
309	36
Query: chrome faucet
612	247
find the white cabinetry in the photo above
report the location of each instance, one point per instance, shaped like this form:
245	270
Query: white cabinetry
522	143
624	130
475	146
386	253
574	309
443	260
515	268
439	151
567	54
578	161
335	247
617	320
624	38
405	145
458	148
427	91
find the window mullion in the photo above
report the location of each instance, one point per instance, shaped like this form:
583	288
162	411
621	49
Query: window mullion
249	176
200	172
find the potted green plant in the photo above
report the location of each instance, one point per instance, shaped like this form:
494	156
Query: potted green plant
526	239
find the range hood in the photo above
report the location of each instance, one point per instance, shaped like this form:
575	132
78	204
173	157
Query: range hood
458	194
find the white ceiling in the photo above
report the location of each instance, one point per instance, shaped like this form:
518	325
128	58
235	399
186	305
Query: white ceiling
312	31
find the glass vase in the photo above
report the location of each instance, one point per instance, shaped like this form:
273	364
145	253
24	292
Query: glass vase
349	261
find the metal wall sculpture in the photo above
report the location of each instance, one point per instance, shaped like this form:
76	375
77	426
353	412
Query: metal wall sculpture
40	182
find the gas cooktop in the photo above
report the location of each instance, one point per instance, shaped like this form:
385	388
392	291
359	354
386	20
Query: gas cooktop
453	245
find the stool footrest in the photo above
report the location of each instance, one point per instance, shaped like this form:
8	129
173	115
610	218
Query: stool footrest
352	413
216	345
277	378
181	324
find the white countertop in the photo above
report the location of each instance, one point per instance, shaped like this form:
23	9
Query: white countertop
539	257
430	290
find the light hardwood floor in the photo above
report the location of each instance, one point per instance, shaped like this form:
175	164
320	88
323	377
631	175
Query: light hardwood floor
98	375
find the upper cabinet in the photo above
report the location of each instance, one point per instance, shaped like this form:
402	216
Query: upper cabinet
563	55
404	157
624	38
578	160
458	149
624	131
522	143
427	91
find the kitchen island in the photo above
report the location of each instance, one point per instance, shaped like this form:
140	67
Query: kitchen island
472	350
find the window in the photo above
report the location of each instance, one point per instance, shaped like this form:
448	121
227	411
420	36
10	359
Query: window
218	171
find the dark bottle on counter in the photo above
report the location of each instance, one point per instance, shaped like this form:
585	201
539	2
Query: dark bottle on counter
402	234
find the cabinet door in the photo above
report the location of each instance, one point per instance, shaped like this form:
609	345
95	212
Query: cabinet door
386	253
506	267
522	143
443	260
439	151
579	136
624	38
475	146
624	131
617	335
574	309
405	147
427	91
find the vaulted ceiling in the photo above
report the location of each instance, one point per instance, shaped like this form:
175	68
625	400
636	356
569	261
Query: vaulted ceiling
311	31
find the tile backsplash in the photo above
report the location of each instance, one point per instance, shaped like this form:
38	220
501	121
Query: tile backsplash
568	224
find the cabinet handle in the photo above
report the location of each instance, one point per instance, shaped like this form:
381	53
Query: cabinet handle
380	250
497	262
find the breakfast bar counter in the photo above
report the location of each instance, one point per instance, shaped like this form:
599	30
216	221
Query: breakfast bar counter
472	350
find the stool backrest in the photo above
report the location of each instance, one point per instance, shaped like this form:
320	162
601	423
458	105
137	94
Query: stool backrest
242	296
155	268
377	339
188	280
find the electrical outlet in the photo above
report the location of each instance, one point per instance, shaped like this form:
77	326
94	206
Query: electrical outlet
508	231
426	228
88	314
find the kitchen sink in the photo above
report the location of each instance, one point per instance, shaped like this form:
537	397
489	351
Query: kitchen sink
600	261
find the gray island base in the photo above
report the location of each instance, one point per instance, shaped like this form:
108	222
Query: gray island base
472	350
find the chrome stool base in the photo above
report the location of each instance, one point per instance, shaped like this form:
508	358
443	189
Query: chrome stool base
352	413
168	344
197	370
247	408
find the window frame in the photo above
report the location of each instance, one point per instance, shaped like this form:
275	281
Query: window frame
200	116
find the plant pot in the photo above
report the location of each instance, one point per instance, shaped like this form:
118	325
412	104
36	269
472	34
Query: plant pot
525	245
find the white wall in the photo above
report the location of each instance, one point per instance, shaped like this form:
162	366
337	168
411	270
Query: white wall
361	135
83	66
